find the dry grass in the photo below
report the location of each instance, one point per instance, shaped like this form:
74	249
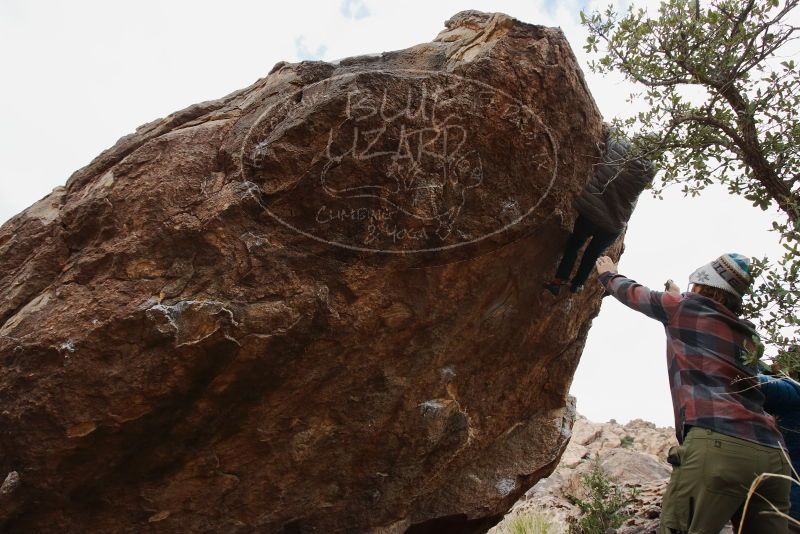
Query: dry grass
754	486
530	522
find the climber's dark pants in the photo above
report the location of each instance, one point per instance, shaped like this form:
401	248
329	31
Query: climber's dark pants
600	240
711	475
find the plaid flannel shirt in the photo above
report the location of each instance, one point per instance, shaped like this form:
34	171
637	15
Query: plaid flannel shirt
712	384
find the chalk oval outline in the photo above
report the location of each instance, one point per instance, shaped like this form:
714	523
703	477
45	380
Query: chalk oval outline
522	106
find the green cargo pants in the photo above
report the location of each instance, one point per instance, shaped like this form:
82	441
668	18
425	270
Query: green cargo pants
711	475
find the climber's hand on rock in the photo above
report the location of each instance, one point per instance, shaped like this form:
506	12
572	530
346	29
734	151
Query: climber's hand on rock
672	287
605	265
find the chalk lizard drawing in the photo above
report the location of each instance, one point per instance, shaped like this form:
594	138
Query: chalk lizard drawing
419	134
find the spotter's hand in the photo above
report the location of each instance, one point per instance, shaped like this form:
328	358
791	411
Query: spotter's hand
672	287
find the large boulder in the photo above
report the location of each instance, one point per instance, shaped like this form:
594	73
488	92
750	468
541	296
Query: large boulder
313	305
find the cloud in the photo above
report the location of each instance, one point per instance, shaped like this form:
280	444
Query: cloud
304	53
354	9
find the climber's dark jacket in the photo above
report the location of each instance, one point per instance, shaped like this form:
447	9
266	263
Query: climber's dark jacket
611	194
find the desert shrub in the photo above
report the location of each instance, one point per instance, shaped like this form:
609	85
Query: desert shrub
627	441
605	503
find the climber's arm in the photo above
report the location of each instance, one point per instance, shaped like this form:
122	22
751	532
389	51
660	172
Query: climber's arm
655	304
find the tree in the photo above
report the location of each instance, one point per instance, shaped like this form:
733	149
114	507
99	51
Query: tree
722	108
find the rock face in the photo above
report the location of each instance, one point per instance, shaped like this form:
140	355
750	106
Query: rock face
313	305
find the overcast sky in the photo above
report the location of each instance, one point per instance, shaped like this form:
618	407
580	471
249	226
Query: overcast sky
78	75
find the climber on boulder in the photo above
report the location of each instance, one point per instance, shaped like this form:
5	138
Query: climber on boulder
604	208
726	438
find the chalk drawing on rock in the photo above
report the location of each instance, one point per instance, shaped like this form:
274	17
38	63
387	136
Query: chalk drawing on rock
399	162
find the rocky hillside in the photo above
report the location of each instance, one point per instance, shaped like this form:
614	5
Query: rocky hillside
633	454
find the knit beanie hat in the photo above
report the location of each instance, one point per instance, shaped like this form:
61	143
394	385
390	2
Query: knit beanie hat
729	272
